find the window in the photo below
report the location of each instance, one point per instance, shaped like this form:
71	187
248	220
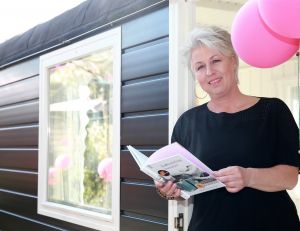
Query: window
79	133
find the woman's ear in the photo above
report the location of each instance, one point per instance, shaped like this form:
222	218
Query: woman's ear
235	61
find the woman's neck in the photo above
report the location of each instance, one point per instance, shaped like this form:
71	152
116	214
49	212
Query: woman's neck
231	103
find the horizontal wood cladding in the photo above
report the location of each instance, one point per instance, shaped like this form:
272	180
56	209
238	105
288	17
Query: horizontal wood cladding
136	224
20	159
23	182
145	130
147	61
143	96
144	122
23	136
19	114
145	68
11	222
19	91
27	207
143	199
133	172
138	31
18	72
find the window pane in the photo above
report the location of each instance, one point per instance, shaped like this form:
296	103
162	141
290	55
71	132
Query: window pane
80	132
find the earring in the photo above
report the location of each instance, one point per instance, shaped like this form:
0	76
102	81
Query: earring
197	89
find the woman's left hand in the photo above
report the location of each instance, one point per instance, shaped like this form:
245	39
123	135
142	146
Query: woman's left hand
235	178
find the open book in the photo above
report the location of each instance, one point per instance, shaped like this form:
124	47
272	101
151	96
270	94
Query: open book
173	162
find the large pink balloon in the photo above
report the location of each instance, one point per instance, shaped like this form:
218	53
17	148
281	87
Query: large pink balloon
257	44
282	16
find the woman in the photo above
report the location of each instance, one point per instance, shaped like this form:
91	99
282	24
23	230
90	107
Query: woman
251	142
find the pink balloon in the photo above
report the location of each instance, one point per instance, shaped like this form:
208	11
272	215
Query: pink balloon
257	44
282	16
52	176
105	169
63	161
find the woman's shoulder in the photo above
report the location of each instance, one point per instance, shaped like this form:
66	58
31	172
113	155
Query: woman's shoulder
273	102
186	123
194	111
190	116
275	106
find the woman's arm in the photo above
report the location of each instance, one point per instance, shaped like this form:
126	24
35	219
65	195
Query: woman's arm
277	178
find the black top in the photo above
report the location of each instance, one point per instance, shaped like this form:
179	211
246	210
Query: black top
261	136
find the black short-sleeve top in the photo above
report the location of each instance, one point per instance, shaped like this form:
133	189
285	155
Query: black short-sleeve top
261	136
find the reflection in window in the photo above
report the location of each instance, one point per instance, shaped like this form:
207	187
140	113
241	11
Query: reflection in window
80	132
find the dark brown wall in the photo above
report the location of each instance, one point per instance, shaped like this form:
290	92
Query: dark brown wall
19	151
144	124
144	120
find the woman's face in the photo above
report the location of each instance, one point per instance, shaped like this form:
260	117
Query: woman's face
214	71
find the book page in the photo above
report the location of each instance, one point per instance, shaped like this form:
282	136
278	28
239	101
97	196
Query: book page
187	176
139	157
175	163
141	160
176	149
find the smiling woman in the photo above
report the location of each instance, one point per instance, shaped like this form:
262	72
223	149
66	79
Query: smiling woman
213	70
16	13
235	134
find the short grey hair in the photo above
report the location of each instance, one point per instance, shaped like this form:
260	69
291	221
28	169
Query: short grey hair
211	37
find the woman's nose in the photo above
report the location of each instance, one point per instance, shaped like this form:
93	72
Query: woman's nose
209	70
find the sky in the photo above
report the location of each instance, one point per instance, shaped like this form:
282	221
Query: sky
18	16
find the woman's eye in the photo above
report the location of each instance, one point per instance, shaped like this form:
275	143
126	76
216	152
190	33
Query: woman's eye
199	67
216	60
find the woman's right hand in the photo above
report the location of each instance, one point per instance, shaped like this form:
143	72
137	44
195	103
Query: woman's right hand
168	190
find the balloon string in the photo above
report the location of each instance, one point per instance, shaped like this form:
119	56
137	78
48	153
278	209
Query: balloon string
298	91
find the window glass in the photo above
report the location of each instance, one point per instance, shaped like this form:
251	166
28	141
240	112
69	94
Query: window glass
80	142
79	132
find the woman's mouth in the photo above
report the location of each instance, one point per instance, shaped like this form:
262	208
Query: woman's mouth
214	81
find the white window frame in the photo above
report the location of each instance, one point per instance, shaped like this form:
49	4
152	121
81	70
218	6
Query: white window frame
181	86
74	215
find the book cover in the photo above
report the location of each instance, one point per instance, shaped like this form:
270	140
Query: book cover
175	163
